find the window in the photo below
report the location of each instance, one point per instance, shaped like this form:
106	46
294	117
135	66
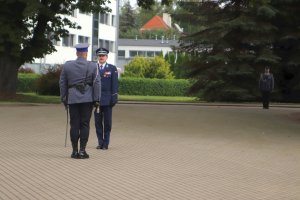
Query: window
113	20
55	42
110	45
68	41
51	37
104	18
101	43
83	39
150	53
157	53
141	53
106	44
85	13
133	53
121	53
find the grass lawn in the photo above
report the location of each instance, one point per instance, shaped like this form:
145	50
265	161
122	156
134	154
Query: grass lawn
34	98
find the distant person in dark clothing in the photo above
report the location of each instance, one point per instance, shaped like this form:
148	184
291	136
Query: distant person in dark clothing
266	86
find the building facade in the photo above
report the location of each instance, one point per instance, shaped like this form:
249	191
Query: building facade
99	30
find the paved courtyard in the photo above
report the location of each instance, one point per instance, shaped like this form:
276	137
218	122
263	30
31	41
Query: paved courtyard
157	152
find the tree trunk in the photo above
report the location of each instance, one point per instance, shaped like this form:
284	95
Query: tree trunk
8	77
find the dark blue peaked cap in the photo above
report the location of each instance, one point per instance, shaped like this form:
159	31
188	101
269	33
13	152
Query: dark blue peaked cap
102	51
82	47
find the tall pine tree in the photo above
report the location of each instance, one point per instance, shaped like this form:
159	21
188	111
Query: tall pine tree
127	20
233	46
287	47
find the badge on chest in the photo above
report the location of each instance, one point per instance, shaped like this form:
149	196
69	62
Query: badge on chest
107	74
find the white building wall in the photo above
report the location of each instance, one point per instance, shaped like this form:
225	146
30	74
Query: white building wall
165	50
108	33
65	53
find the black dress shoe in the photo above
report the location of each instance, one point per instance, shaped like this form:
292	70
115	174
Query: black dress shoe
74	154
104	147
99	147
83	155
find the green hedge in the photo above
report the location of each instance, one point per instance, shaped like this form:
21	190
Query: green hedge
127	86
27	82
153	87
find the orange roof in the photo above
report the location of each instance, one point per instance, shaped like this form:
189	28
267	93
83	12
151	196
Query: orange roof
155	23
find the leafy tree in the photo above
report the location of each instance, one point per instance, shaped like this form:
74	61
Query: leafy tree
148	4
159	33
144	15
141	67
27	28
233	46
129	28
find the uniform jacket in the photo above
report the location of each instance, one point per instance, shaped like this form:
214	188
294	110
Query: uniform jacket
266	82
76	72
109	85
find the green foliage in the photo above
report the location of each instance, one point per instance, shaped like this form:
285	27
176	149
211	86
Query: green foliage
148	4
27	82
177	61
287	47
236	41
132	20
158	34
136	68
26	70
34	30
153	87
232	48
144	15
48	83
182	16
141	67
127	23
28	28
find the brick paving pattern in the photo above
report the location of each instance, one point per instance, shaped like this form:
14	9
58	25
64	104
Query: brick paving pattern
157	152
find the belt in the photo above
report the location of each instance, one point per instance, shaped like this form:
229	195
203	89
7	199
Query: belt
79	85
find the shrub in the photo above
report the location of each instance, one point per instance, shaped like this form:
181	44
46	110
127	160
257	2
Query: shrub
27	82
136	68
26	70
141	67
48	83
153	87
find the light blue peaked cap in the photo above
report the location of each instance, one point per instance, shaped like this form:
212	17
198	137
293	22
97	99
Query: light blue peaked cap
82	47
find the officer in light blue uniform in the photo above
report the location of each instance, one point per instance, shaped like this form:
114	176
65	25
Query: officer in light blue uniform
109	97
79	90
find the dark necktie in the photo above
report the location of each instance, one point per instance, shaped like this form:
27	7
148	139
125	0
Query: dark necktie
101	68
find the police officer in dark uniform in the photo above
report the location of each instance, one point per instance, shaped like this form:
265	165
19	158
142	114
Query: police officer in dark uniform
109	97
266	85
79	89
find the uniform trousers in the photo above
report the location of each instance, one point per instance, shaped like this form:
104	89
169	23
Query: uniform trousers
80	116
266	99
103	123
